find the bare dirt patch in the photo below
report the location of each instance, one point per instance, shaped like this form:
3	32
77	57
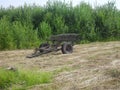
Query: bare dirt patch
84	69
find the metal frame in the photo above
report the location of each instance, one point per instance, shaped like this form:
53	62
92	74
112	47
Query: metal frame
56	44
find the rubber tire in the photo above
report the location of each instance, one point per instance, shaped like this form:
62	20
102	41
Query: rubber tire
67	48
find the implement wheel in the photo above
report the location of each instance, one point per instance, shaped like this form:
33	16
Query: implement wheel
67	48
43	47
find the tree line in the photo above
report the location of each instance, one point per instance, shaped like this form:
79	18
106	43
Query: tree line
27	26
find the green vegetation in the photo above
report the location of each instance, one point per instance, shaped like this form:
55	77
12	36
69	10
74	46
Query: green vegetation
27	26
23	78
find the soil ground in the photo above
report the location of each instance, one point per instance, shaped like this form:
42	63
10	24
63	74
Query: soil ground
84	69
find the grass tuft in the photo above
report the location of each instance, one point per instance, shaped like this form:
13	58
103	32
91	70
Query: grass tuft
23	78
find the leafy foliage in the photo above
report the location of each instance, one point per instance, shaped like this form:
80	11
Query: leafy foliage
27	26
44	30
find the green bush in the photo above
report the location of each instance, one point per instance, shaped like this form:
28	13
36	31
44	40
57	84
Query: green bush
6	40
44	30
27	26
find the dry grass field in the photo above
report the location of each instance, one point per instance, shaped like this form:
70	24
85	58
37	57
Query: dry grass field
94	66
